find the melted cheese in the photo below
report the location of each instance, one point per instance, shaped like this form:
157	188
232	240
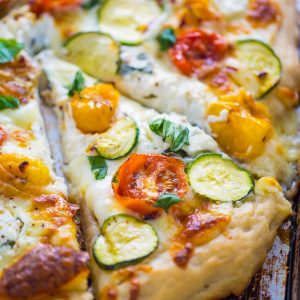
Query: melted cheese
253	226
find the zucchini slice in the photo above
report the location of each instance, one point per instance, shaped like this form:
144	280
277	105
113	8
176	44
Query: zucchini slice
260	67
95	53
119	140
217	178
125	241
130	21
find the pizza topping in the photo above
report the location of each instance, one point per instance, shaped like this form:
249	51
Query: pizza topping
259	68
166	38
98	166
134	59
217	178
197	52
125	240
202	227
240	125
56	214
119	140
77	85
130	22
176	135
40	6
20	174
9	49
166	200
197	229
88	4
8	102
202	10
263	12
22	137
102	62
94	107
142	179
42	271
3	136
18	78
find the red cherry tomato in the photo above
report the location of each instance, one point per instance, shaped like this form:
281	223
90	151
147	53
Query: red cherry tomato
197	52
40	6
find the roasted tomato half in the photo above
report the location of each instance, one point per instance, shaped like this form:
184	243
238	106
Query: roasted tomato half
40	6
197	52
94	107
240	125
143	178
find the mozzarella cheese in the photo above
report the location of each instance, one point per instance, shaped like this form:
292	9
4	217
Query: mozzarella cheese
253	226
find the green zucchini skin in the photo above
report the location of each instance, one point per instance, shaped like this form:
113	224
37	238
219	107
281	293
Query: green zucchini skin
219	157
105	153
276	74
127	262
123	41
95	68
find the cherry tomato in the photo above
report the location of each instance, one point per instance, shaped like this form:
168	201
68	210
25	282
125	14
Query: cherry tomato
197	52
40	6
94	107
144	177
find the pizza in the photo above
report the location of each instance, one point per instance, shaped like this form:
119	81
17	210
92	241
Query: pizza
40	254
179	132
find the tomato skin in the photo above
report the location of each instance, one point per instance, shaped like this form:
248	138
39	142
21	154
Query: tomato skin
144	177
197	52
94	107
3	136
40	6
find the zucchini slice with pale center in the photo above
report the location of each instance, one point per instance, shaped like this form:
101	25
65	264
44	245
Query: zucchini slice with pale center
259	67
125	240
218	178
119	140
95	53
130	21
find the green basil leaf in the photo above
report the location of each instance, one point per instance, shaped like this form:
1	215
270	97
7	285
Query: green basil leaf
9	49
88	4
98	166
8	102
77	85
176	135
166	200
166	39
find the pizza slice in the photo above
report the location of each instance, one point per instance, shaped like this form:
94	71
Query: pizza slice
165	211
243	87
40	256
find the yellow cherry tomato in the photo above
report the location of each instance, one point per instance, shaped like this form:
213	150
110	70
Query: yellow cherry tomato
240	125
28	169
94	107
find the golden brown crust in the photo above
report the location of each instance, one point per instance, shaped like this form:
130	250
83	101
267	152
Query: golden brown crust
42	271
18	78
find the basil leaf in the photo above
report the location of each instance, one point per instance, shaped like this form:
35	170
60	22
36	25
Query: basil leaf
166	200
88	4
166	39
77	85
9	49
8	102
98	166
176	135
